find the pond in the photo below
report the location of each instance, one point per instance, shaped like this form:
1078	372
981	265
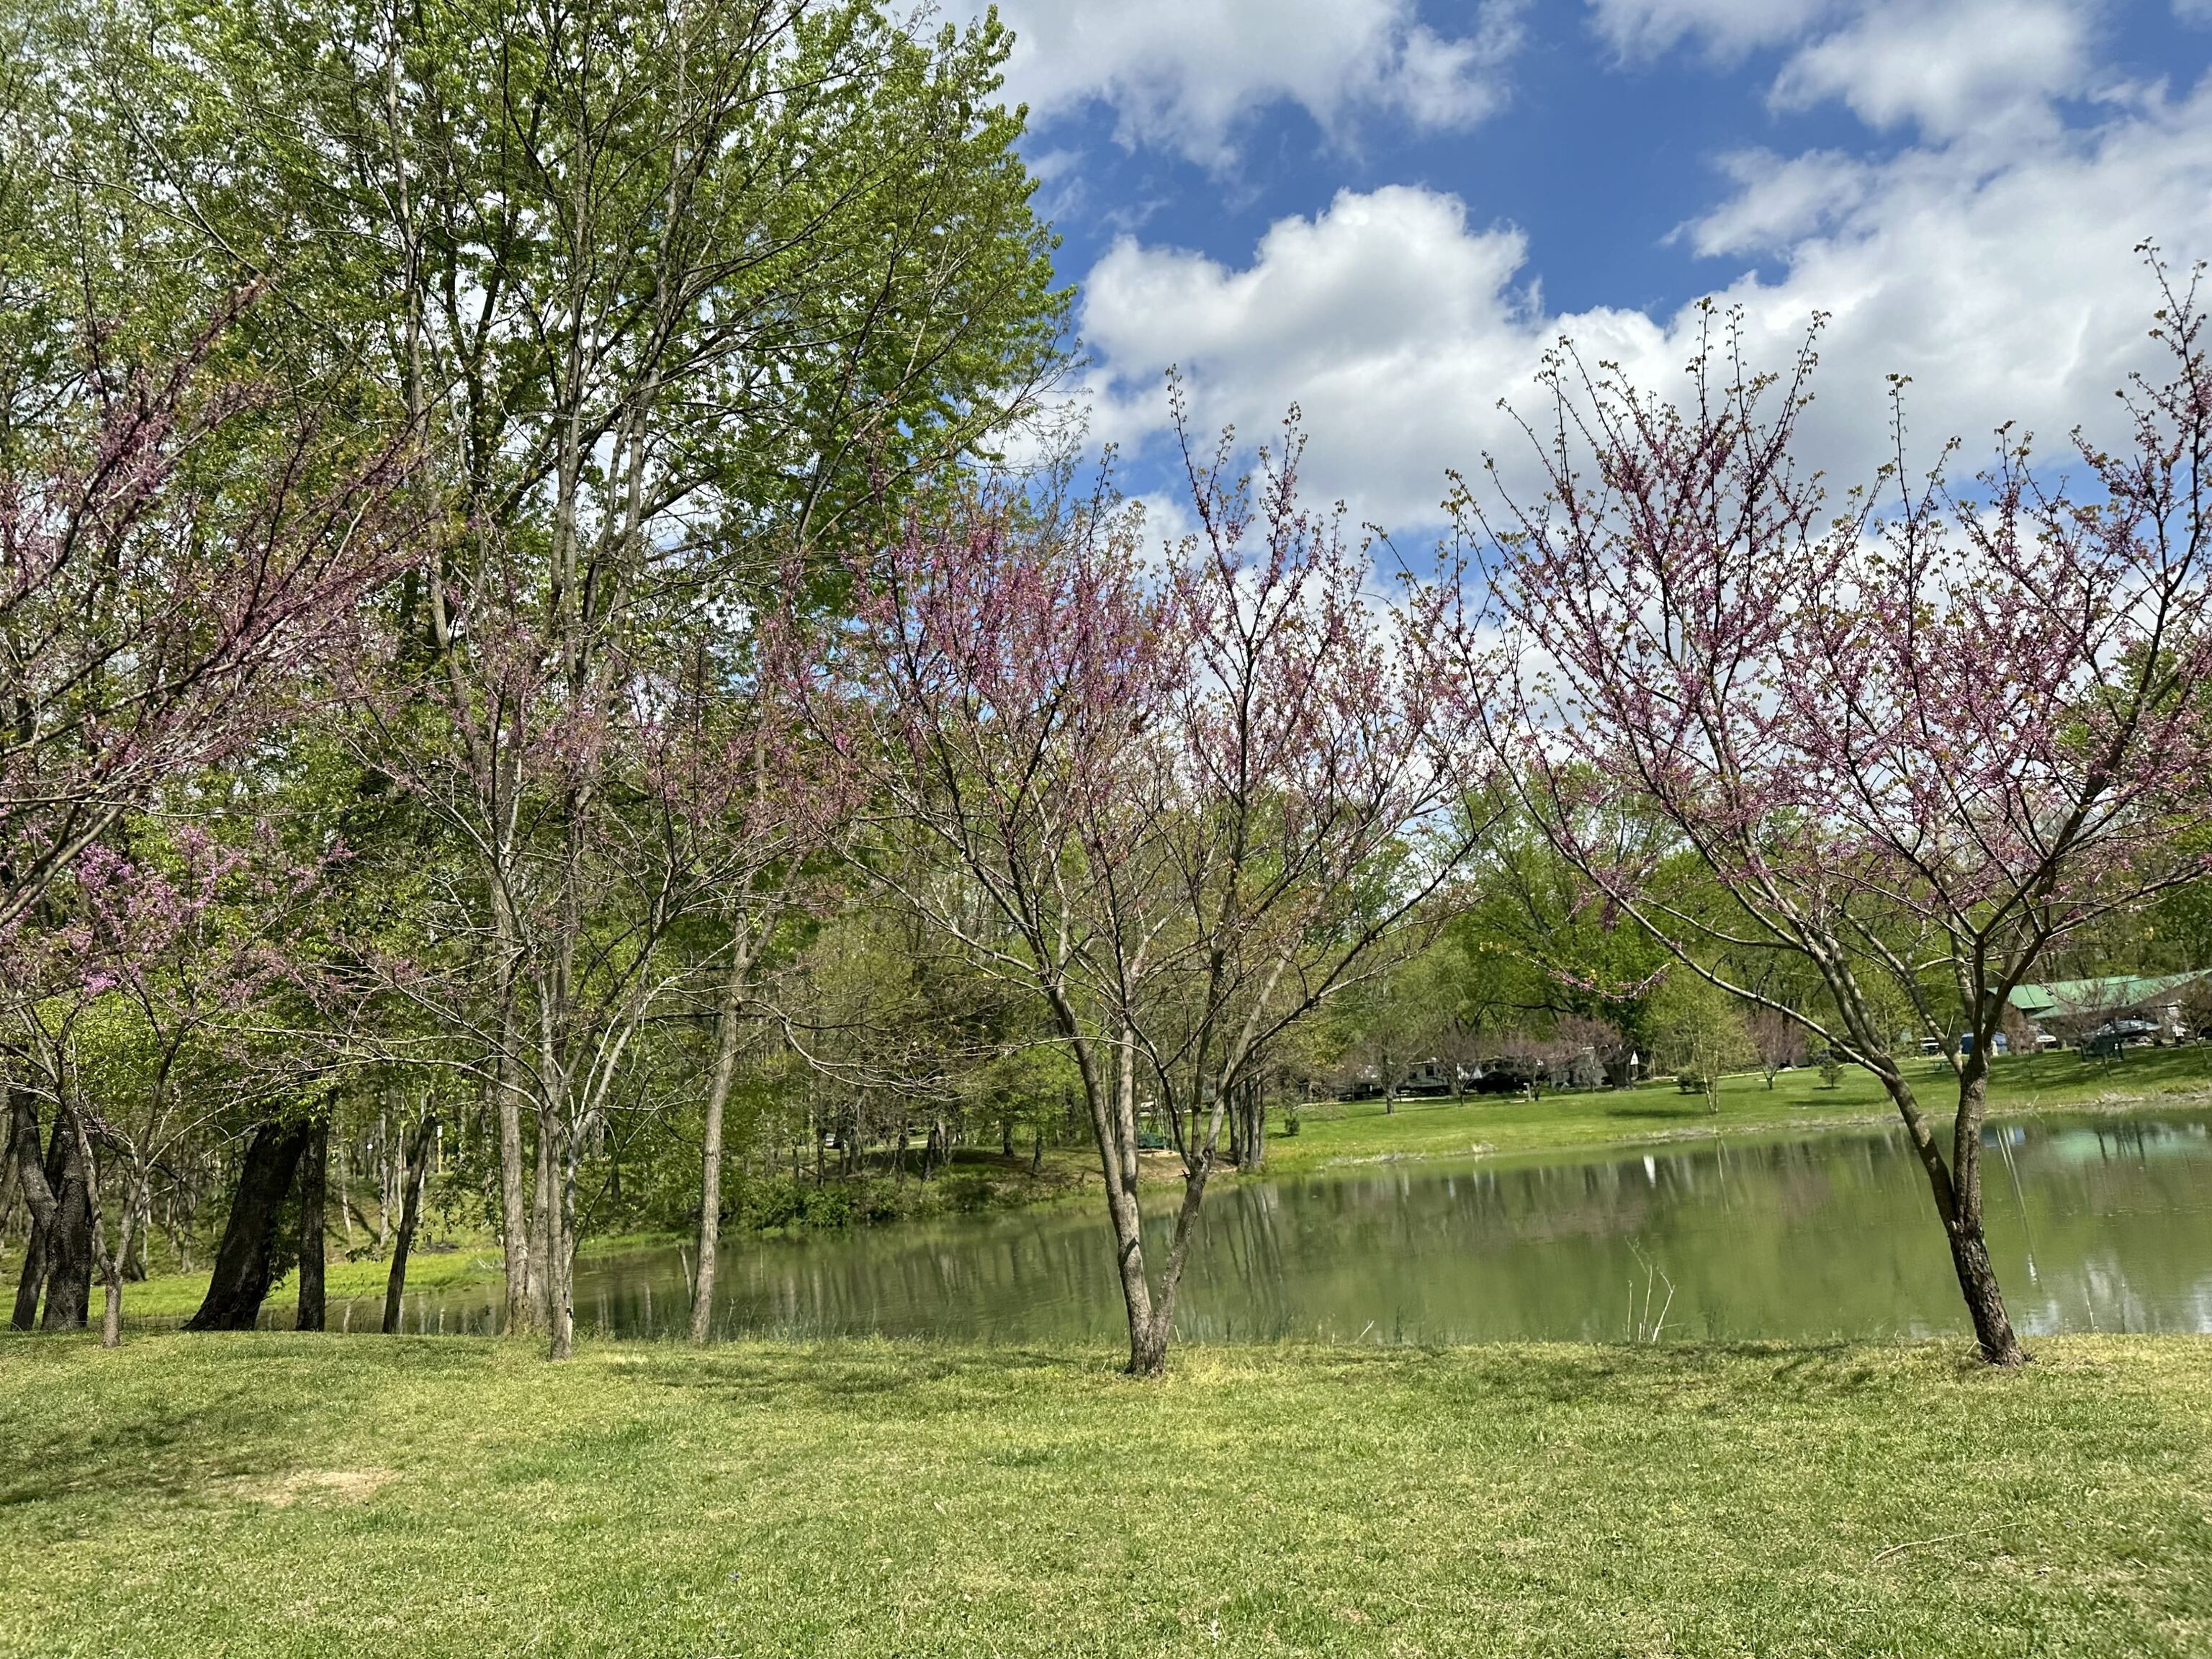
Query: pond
2096	1224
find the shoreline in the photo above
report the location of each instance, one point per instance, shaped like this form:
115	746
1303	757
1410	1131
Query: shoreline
1563	1127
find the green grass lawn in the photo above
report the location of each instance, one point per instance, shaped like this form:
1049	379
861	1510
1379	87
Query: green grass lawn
1360	1130
275	1494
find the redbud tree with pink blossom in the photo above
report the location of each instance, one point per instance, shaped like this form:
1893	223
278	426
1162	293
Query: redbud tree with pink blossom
177	565
1185	800
182	554
1917	734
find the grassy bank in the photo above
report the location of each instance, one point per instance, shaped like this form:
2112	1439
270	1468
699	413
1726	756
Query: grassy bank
278	1495
1354	1131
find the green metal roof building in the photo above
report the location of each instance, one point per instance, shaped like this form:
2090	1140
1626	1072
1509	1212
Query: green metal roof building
2119	993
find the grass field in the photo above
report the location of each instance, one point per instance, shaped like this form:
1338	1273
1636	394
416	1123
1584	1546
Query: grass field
272	1494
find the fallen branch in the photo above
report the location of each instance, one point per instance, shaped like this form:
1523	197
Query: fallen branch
1922	1543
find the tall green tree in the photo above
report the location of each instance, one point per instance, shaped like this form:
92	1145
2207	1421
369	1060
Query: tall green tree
675	296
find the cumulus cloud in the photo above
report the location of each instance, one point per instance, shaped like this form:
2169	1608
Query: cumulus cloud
2007	290
1780	200
1395	323
1182	75
1949	69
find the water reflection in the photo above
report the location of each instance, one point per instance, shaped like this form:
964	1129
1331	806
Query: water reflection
2102	1224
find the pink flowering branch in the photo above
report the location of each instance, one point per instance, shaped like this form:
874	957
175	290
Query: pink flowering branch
1922	739
1187	800
173	578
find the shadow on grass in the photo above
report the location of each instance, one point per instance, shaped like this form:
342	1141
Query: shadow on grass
172	1416
1706	1379
906	1378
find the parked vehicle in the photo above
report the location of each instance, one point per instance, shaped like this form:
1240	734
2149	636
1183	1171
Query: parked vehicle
1511	1077
1430	1078
2115	1035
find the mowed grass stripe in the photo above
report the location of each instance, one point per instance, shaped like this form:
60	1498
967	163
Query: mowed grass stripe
279	1495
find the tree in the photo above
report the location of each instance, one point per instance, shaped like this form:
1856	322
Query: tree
1700	1032
1919	744
1542	947
1778	1040
182	555
671	292
1389	1023
764	802
169	949
176	567
671	295
1184	802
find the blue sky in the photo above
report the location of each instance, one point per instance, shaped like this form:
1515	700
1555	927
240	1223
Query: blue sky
1385	209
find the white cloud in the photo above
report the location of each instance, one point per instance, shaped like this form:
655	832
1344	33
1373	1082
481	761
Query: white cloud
1726	29
2006	288
1184	74
1395	323
1950	69
1780	200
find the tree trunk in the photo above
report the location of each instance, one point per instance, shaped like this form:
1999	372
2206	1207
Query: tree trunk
395	1287
242	1262
710	1162
561	1280
345	1196
537	1287
1109	1091
68	1246
58	1257
32	1280
40	1176
1978	1283
1970	1250
387	1184
1148	1347
1249	1141
1957	1191
513	1210
109	1262
1148	1338
140	1230
314	1174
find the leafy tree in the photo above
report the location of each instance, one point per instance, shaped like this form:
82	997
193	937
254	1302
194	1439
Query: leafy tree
1700	1033
673	297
